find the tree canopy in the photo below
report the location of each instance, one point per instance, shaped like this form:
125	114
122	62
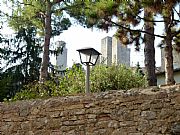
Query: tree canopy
21	61
48	17
127	17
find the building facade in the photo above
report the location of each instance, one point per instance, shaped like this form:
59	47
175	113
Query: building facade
61	58
113	52
176	59
106	51
120	53
161	77
176	66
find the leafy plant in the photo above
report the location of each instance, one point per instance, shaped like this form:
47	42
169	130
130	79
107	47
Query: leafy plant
115	77
102	78
20	55
72	83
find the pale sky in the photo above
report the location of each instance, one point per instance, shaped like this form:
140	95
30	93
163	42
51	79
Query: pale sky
77	37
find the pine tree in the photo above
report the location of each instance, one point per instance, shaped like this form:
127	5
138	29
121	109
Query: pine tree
22	62
149	49
166	8
47	16
125	16
101	14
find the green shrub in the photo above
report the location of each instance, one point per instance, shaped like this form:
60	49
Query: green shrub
72	83
115	78
102	78
35	90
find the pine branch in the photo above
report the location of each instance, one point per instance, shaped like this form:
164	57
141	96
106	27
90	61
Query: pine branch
147	20
26	4
176	20
57	1
129	29
68	7
176	12
176	33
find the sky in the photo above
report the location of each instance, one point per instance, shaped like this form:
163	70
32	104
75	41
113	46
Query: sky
77	37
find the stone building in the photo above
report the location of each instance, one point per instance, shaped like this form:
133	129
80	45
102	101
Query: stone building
176	59
106	51
113	52
61	58
120	53
176	63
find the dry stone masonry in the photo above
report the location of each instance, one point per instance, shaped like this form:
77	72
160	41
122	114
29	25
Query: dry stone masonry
151	111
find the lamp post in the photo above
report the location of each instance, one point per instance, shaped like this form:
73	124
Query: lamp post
88	57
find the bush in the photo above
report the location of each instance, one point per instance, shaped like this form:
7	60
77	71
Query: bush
115	78
72	83
102	78
35	90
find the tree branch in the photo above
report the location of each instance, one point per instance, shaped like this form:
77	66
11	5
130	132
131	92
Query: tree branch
176	20
26	4
176	33
147	20
129	29
57	1
68	7
176	12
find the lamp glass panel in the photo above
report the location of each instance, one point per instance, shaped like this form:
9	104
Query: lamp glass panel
85	58
93	59
88	57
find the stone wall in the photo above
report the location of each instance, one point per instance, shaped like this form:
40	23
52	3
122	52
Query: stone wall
150	111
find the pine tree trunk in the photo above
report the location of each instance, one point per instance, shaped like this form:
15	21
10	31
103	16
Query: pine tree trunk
168	59
149	50
45	61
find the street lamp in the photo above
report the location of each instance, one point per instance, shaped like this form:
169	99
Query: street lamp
88	57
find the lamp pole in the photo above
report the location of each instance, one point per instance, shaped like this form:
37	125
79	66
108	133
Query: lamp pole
87	78
88	61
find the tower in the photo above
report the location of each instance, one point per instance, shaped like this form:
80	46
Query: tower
61	58
120	53
106	50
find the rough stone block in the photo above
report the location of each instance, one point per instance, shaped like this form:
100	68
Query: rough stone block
149	115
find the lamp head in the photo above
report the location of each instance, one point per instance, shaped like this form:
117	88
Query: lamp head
88	56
